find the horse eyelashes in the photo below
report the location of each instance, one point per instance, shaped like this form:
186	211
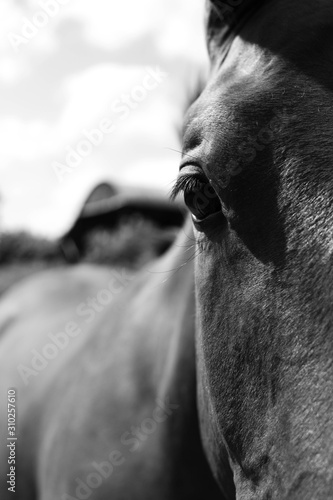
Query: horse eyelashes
186	184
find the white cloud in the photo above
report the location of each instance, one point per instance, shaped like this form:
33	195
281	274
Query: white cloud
11	70
135	152
183	34
115	23
90	94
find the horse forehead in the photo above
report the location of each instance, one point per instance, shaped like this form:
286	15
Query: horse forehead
247	73
275	48
235	101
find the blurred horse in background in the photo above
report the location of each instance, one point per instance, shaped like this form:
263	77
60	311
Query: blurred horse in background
104	370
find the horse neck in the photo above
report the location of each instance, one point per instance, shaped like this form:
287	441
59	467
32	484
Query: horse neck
180	254
181	438
178	295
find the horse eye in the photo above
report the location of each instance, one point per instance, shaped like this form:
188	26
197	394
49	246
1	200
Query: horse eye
202	201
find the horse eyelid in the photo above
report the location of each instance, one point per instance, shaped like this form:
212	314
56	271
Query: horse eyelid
184	184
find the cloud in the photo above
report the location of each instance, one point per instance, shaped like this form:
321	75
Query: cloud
115	23
67	79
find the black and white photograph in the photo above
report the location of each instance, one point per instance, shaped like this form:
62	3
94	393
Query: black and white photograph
166	250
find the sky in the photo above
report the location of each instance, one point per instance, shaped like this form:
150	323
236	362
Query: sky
91	90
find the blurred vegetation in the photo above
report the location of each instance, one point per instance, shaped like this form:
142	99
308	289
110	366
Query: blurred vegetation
132	243
22	247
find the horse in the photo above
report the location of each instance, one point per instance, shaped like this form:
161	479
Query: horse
219	382
257	177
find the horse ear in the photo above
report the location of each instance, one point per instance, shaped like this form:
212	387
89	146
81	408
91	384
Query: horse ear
217	22
224	9
221	17
229	10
